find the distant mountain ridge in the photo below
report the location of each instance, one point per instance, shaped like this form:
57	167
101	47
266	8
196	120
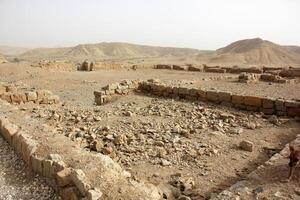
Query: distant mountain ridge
257	51
114	50
10	51
2	59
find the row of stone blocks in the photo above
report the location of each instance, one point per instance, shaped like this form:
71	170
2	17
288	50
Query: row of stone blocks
266	105
17	97
212	69
112	91
72	183
291	72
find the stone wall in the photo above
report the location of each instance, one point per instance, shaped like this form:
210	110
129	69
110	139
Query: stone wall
113	91
266	105
267	77
15	95
72	183
282	72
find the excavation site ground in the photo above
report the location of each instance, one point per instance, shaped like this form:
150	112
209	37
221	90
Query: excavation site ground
142	140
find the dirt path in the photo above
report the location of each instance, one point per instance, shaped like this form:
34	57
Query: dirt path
16	183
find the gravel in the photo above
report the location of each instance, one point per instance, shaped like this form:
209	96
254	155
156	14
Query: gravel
16	181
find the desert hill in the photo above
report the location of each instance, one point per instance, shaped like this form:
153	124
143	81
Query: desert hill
104	50
257	51
2	59
8	50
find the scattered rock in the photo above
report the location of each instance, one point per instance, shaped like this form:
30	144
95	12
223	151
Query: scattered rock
246	145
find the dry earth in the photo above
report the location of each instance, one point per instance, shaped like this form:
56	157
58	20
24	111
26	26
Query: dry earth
191	148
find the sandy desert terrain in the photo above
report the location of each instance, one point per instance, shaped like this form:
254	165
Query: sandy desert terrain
209	125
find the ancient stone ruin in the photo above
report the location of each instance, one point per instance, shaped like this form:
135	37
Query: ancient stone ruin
86	66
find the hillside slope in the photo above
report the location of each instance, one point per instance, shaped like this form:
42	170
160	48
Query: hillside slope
256	51
8	50
2	59
106	51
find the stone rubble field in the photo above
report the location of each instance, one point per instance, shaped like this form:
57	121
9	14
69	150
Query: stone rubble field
184	149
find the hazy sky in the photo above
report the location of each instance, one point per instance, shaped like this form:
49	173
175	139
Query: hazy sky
202	24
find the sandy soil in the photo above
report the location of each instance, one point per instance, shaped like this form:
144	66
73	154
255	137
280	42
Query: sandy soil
202	150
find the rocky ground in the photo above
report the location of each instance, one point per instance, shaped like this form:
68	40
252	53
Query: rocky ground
174	144
16	182
192	150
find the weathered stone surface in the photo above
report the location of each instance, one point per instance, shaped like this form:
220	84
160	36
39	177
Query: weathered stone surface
237	99
79	179
279	104
70	193
293	112
63	177
268	102
252	101
291	104
224	96
268	111
94	194
246	145
212	95
31	96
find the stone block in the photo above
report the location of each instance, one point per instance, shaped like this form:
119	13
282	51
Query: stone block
8	130
292	104
79	179
268	111
54	99
252	101
193	92
6	96
70	193
225	96
175	90
183	91
212	95
94	194
237	99
202	94
280	105
31	96
63	177
252	108
48	170
36	164
111	86
293	112
268	103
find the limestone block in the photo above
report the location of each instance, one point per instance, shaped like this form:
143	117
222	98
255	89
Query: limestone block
252	101
202	94
183	91
8	130
63	177
268	103
111	86
6	96
70	193
48	169
268	111
79	179
292	104
36	164
31	96
212	95
293	112
237	99
225	96
280	105
94	194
